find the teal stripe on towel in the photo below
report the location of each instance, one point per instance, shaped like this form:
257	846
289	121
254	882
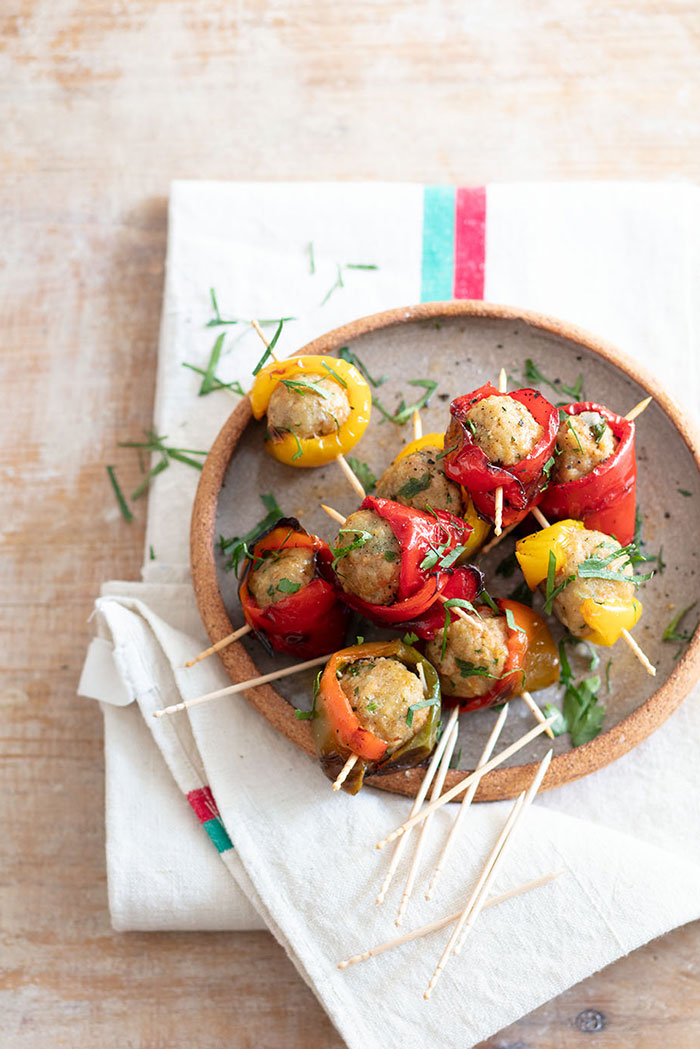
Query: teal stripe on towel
437	271
217	832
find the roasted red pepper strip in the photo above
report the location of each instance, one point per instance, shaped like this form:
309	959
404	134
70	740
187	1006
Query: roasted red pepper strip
606	498
417	533
305	624
465	583
469	465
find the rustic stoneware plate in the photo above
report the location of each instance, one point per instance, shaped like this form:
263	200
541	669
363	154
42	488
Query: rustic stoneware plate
462	345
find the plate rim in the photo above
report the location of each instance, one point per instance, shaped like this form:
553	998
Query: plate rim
504	782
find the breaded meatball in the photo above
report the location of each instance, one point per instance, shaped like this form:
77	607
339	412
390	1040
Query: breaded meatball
474	643
419	480
503	428
371	571
583	442
306	411
566	606
380	692
281	573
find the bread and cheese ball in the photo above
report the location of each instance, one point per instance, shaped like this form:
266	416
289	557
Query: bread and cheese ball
583	442
308	405
371	570
419	480
503	428
380	691
279	574
567	605
475	654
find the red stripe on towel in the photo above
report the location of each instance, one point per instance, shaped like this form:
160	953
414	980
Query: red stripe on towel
470	242
202	801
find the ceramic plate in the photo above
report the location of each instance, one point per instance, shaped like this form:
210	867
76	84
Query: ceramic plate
462	345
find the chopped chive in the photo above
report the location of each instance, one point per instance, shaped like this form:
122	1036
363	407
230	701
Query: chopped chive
270	347
335	375
126	512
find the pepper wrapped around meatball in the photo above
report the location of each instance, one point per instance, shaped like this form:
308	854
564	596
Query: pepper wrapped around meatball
392	562
586	577
317	408
379	701
594	476
493	655
285	599
417	478
501	440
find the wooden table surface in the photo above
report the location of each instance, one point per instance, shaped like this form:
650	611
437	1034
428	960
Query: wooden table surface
103	102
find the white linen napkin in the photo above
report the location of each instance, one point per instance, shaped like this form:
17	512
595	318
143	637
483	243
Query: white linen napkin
618	259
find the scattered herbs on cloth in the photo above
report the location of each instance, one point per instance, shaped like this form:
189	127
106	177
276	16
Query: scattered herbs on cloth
125	511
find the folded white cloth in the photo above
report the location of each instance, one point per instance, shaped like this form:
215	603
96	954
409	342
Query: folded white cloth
618	259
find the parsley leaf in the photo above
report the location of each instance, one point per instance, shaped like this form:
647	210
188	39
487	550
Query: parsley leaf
582	712
404	412
510	621
306	715
533	374
410	638
363	473
672	633
415	485
286	586
415	707
361	537
552	591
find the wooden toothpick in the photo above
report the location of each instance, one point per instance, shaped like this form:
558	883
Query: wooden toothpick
638	409
228	640
441	923
242	686
417	425
498	511
466	800
462	785
345	771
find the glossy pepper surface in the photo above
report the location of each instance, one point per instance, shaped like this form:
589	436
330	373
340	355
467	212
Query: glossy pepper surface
532	661
468	464
420	536
305	624
605	619
339	732
604	499
479	527
465	584
314	451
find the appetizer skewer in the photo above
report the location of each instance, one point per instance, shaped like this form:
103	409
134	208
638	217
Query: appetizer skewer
498	509
588	582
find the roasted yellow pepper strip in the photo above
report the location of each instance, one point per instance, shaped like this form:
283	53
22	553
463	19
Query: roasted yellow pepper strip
315	451
533	551
480	528
608	620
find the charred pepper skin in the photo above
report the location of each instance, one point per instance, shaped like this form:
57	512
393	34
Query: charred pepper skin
468	464
606	498
305	624
339	733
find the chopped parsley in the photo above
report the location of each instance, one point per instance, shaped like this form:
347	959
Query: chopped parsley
533	374
410	638
333	372
217	321
270	347
598	567
552	591
238	547
467	669
510	621
488	600
598	429
391	555
674	634
346	354
415	485
362	473
286	586
582	712
306	715
404	412
361	537
547	468
304	386
570	424
685	492
125	511
312	258
415	707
